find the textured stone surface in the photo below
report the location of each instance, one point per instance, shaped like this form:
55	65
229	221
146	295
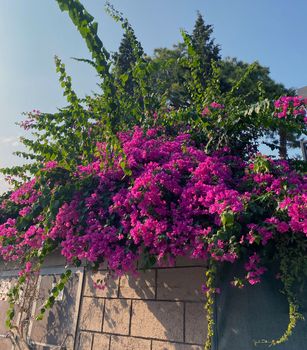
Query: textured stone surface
158	345
182	261
195	323
157	319
130	313
117	316
129	343
56	259
91	314
180	284
9	265
5	344
111	289
140	287
101	342
85	341
61	319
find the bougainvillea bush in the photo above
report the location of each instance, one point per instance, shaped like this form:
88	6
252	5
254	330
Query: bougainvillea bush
176	201
125	180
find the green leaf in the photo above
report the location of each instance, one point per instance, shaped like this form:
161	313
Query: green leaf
227	219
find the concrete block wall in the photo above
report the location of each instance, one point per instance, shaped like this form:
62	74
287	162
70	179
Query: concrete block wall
162	309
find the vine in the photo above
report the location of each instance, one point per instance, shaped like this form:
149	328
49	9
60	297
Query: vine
56	290
292	258
210	291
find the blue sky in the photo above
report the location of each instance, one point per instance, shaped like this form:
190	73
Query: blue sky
33	31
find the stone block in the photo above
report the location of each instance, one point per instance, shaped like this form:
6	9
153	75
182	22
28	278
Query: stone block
5	344
195	323
180	284
140	287
129	343
157	319
158	345
59	321
55	259
101	342
85	341
110	290
183	261
117	316
91	314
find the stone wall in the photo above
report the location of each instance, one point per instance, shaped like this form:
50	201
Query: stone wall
161	309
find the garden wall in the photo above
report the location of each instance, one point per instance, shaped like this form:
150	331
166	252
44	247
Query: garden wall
162	309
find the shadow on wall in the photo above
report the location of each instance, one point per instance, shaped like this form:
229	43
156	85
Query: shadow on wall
255	313
161	309
162	305
59	322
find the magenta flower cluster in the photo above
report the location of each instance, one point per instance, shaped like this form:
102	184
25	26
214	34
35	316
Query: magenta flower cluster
177	201
31	120
214	106
291	106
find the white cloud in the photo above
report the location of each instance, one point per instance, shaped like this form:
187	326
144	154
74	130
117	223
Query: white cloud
8	145
9	140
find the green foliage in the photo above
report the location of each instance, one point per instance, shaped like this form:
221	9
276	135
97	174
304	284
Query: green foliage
134	86
278	137
203	46
88	28
62	136
132	72
56	290
261	165
169	75
235	124
231	71
175	70
174	89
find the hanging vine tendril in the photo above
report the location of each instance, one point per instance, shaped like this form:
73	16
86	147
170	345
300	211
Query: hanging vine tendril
292	260
210	291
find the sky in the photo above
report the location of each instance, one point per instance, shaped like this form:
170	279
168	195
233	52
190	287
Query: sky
33	31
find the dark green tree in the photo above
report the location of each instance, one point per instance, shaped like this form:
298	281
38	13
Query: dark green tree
172	67
232	69
259	81
168	76
130	50
204	46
